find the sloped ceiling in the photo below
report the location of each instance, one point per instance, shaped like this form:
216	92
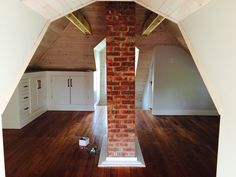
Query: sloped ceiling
69	48
64	47
53	33
175	10
175	31
145	44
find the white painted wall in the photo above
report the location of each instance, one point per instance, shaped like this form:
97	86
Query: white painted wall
136	59
19	31
178	88
97	77
147	100
100	79
2	164
211	36
11	116
103	81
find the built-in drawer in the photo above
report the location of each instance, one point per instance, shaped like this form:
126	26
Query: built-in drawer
24	88
25	111
24	84
24	94
24	103
24	97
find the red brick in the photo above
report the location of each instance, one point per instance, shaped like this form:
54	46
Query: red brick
127	112
127	92
121	59
120	33
113	53
121	107
120	78
120	116
127	53
128	102
119	38
113	83
120	88
115	130
118	126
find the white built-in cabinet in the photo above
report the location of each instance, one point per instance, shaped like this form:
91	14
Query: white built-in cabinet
38	92
71	91
60	90
27	102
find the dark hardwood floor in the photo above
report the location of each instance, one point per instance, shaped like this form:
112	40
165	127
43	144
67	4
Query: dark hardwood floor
172	146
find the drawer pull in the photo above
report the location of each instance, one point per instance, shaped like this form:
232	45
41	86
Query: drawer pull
39	84
25	86
26	108
25	97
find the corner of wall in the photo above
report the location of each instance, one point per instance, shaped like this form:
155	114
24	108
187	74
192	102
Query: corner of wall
201	69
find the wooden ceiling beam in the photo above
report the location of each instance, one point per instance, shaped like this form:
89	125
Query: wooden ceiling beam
151	23
80	22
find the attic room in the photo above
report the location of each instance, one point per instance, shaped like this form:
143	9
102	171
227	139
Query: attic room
116	89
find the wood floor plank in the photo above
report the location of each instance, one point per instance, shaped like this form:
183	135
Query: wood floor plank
172	146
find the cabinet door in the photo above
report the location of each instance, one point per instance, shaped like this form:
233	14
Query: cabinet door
33	94
80	87
41	89
60	93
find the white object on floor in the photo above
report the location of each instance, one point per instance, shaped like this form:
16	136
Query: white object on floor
105	161
83	141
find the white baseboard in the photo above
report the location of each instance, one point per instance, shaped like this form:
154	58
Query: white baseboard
105	161
23	122
186	112
71	108
10	125
33	116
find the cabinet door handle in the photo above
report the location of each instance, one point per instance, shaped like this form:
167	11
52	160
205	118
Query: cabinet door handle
70	82
25	97
26	108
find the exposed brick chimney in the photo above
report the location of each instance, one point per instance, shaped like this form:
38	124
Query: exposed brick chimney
120	48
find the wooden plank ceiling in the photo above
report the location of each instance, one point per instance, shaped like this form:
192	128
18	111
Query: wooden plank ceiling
65	47
68	48
175	10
